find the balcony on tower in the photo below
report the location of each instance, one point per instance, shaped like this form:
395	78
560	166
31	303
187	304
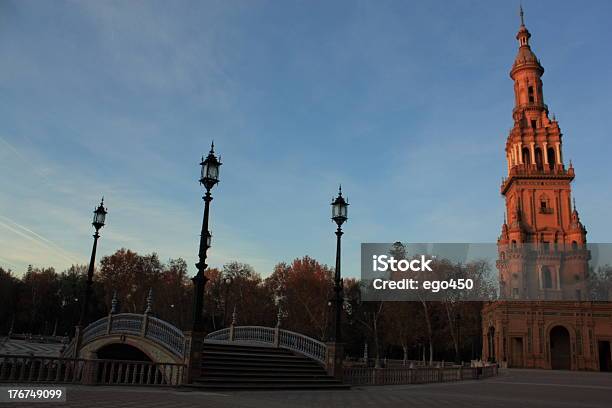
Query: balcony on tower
537	171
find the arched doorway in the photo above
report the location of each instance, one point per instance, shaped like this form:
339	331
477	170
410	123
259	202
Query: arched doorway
560	352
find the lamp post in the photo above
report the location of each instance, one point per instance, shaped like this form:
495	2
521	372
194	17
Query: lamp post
228	282
339	216
209	177
458	354
98	222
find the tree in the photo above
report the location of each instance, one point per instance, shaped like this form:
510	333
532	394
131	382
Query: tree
305	287
38	301
404	324
599	283
131	275
70	292
9	289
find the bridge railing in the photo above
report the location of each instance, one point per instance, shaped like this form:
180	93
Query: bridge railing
31	369
146	326
303	344
168	335
274	336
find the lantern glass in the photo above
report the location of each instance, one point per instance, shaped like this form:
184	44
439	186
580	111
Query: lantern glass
99	217
212	170
208	239
335	210
339	210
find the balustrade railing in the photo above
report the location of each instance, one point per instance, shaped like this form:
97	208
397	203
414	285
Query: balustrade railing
220	335
258	334
145	326
25	369
277	337
166	334
117	372
303	344
398	363
30	369
355	375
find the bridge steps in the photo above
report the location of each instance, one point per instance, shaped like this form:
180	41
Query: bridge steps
242	367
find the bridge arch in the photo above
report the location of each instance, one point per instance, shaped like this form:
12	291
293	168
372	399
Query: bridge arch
154	339
150	349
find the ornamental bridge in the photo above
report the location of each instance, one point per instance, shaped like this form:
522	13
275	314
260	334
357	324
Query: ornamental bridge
160	341
246	357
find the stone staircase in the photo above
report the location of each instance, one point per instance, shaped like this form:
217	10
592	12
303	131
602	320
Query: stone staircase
250	367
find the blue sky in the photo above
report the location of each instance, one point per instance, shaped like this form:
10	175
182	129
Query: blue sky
407	104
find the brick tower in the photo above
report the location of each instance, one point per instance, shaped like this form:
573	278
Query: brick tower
543	320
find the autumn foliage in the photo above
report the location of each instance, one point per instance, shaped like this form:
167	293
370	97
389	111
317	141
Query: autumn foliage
298	293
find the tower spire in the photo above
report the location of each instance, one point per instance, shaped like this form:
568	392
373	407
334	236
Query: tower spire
522	15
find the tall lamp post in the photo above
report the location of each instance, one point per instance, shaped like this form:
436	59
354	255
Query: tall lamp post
339	215
209	177
98	222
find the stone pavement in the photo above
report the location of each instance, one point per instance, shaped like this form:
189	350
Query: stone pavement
513	388
23	347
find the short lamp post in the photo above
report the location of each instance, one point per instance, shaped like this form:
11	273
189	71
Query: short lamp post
339	216
458	353
98	222
209	178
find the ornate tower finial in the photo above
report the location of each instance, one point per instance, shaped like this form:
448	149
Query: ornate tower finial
521	14
212	146
279	316
149	308
114	303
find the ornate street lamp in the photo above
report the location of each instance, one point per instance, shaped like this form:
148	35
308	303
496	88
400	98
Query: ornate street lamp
339	216
99	219
208	178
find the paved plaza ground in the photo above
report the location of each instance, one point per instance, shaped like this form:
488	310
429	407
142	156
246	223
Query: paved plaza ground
513	388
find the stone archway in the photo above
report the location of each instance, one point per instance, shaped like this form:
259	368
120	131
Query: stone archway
121	351
560	348
139	346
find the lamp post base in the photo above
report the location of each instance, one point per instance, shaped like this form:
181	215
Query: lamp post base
194	344
334	360
78	335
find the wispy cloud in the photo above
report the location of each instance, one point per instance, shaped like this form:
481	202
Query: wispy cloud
37	239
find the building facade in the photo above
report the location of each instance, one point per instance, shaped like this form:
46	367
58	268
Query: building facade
544	319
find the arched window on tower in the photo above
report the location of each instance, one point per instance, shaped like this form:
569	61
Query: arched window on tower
550	152
526	156
538	159
530	94
546	277
545	207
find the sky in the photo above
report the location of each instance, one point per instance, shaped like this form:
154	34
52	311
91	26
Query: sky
407	104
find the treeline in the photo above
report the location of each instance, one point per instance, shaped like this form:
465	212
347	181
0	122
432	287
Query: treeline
44	301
